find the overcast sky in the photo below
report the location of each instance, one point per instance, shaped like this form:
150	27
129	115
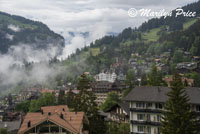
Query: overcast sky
95	16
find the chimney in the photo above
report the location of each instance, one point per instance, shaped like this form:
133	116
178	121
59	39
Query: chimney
29	124
49	113
61	116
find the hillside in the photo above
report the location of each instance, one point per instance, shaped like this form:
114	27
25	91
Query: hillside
141	46
15	30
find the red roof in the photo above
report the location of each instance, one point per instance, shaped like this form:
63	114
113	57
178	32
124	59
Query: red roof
71	121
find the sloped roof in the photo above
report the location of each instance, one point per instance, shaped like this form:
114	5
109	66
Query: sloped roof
55	109
123	105
159	94
71	121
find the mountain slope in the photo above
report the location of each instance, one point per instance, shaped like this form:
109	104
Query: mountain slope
141	45
16	30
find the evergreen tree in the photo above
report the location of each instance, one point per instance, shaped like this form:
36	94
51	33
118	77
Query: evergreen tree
130	79
155	77
69	98
144	80
85	101
61	97
10	100
178	118
111	100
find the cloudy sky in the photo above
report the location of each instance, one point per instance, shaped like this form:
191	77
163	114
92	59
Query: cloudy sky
98	17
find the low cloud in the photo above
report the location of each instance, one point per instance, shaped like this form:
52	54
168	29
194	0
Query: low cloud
16	66
14	28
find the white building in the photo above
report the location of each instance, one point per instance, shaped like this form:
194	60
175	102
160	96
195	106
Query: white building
110	77
146	105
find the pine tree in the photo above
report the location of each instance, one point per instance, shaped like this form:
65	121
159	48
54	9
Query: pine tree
178	118
85	101
155	77
61	97
144	80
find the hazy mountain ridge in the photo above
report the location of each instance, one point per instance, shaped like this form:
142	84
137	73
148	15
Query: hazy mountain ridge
16	30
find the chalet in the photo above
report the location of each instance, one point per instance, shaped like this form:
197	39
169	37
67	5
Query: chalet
119	113
56	120
190	82
147	103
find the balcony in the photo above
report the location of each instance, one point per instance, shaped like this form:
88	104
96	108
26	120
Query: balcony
145	123
146	110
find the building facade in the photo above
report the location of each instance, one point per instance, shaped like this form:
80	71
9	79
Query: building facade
102	88
110	77
147	103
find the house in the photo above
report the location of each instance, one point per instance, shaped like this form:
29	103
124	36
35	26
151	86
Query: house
119	112
190	82
146	106
43	91
56	120
187	67
11	126
11	116
196	58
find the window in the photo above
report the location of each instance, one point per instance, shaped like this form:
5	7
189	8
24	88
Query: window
148	117
140	116
159	106
149	105
198	108
140	105
149	130
158	118
141	128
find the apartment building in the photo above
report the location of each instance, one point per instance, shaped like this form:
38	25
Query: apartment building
147	103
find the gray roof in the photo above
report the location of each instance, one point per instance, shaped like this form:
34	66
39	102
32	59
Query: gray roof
125	107
158	94
12	125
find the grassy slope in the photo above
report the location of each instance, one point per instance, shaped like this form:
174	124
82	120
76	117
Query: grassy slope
187	24
17	23
95	51
151	35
